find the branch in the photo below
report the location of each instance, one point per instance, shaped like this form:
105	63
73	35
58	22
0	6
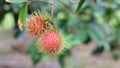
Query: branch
52	11
80	5
65	6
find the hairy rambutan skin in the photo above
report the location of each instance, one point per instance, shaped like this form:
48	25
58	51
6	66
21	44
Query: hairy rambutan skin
38	22
51	42
36	25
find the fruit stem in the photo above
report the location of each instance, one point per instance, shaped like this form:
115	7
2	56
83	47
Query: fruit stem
52	11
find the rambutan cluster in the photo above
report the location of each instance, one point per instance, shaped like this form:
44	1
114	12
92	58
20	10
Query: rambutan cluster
50	40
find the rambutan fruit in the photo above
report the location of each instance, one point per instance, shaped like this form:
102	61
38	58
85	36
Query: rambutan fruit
38	23
51	42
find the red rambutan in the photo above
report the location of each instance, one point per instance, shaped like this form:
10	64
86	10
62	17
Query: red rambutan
36	25
38	22
51	42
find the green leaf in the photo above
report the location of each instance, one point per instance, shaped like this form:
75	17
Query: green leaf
93	34
8	22
46	58
34	53
23	13
61	57
69	39
15	1
61	61
66	6
82	35
36	58
97	34
67	52
79	5
105	44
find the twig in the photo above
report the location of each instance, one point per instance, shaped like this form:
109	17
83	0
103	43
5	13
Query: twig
67	7
80	5
52	11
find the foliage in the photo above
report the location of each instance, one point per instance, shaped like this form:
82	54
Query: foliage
15	1
34	53
23	13
8	25
61	58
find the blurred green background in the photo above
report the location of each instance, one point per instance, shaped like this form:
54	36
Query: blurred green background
93	35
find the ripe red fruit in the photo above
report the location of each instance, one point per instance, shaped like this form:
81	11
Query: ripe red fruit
36	25
51	42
